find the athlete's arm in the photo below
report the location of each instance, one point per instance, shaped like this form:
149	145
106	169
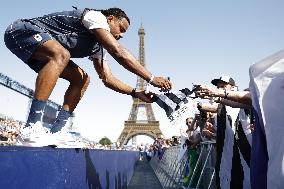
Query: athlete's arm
120	54
115	84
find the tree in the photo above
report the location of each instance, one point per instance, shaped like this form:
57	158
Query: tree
105	141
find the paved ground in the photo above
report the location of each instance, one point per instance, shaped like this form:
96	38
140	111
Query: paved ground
144	177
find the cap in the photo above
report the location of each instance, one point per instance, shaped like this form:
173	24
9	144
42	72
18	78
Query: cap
224	78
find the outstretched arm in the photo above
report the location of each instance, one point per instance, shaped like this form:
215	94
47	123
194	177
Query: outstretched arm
237	96
126	59
113	83
207	107
234	104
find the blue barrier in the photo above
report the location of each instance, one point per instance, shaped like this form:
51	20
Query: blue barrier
48	168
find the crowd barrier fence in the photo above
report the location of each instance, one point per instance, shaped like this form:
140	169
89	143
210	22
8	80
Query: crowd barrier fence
170	170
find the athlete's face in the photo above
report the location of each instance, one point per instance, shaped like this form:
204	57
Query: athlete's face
117	26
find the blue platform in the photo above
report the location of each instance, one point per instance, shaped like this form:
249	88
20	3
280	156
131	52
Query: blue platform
48	168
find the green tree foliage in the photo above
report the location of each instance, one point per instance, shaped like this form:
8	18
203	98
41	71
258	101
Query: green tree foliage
105	141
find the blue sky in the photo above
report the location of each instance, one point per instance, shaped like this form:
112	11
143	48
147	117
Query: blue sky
190	41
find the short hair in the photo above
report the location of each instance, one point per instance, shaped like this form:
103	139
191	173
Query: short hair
117	12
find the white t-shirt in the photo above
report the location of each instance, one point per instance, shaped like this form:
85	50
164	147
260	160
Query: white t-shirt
96	20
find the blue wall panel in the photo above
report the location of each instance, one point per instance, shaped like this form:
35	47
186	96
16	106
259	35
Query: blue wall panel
48	168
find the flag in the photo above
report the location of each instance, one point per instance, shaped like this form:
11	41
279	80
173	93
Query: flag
177	105
267	91
233	150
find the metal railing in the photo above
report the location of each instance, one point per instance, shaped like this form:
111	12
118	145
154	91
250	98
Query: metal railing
171	171
168	169
206	161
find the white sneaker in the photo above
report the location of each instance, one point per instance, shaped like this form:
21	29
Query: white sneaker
64	139
35	135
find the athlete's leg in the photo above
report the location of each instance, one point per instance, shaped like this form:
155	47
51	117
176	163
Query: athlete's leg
38	49
79	81
57	58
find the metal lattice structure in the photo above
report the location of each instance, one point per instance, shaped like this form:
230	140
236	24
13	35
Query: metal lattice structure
20	88
141	120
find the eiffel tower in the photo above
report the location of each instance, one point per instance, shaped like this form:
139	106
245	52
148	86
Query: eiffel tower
141	120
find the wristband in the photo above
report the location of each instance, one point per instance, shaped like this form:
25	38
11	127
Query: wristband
133	93
151	79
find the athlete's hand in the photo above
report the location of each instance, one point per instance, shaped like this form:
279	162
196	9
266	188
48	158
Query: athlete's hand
162	83
146	97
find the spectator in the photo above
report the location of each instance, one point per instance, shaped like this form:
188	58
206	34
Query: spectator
150	153
141	149
194	139
232	144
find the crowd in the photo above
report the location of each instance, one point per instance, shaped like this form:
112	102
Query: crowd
243	126
224	117
9	130
158	147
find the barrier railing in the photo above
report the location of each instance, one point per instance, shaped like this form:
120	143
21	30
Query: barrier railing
206	161
168	169
171	171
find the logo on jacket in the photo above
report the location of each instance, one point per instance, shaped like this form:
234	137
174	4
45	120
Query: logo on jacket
37	37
